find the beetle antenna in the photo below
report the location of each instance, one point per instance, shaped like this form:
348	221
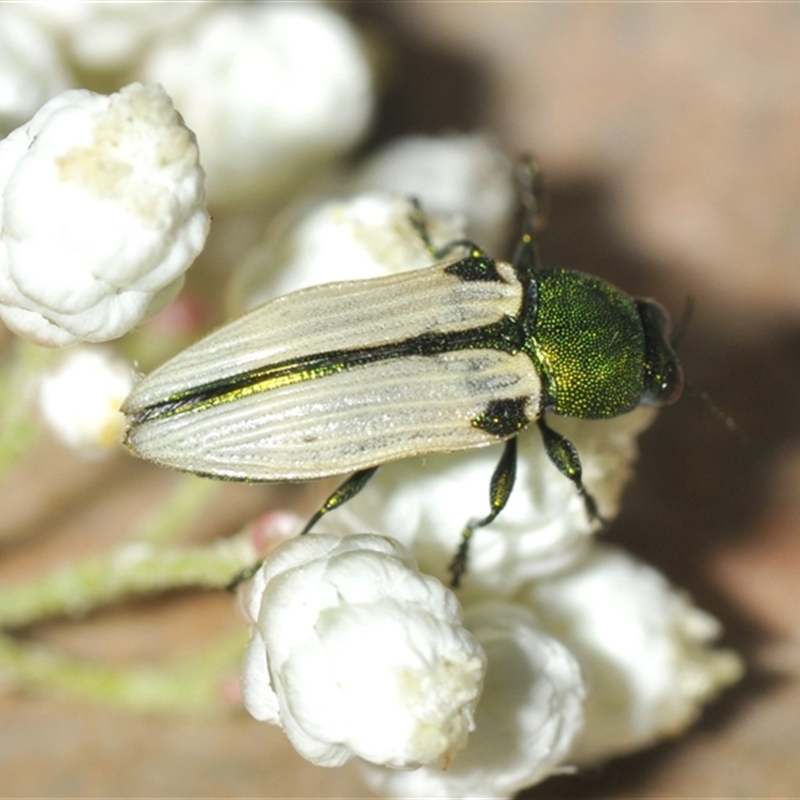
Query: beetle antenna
718	413
683	325
532	194
701	394
533	198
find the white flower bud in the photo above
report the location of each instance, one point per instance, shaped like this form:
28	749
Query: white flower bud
465	175
530	712
81	395
31	70
102	211
272	90
645	650
353	652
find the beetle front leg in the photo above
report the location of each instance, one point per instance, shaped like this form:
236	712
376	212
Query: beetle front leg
419	222
565	456
500	488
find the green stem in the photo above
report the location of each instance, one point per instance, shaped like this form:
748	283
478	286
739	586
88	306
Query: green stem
132	569
192	685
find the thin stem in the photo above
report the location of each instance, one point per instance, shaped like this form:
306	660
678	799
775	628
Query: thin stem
133	569
193	684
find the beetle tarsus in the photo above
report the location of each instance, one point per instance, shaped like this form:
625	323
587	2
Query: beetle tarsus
591	507
243	576
458	566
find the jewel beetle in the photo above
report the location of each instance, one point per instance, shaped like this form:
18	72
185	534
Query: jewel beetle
343	377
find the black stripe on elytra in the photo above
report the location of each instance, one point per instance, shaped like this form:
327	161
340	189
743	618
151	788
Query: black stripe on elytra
506	335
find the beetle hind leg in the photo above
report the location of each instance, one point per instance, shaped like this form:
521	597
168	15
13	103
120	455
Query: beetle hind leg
349	489
500	488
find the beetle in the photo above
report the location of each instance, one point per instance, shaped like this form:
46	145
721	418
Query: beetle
343	377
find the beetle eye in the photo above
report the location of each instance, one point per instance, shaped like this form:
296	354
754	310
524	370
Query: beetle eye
667	385
663	376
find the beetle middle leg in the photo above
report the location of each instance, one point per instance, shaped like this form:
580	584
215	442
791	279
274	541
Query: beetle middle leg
500	487
349	489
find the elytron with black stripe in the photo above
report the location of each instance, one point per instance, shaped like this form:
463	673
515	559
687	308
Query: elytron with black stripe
469	352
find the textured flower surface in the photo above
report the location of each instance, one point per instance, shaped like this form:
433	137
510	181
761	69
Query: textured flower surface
463	175
647	652
530	712
102	210
109	36
354	652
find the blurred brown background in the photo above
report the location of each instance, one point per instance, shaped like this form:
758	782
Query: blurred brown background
670	135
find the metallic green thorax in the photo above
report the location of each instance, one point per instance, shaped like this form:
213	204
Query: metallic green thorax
588	344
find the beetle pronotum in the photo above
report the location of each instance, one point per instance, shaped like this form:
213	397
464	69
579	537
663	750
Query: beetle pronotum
344	377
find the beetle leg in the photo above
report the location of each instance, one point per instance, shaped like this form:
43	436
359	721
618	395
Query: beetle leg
499	491
565	456
419	222
350	488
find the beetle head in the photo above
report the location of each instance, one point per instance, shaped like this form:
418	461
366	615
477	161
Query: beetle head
663	376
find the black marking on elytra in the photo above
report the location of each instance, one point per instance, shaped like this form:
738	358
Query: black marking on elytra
475	268
503	418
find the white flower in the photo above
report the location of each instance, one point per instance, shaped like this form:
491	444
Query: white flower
425	503
335	240
81	395
367	234
646	652
530	712
106	35
31	70
463	175
273	91
102	211
353	652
